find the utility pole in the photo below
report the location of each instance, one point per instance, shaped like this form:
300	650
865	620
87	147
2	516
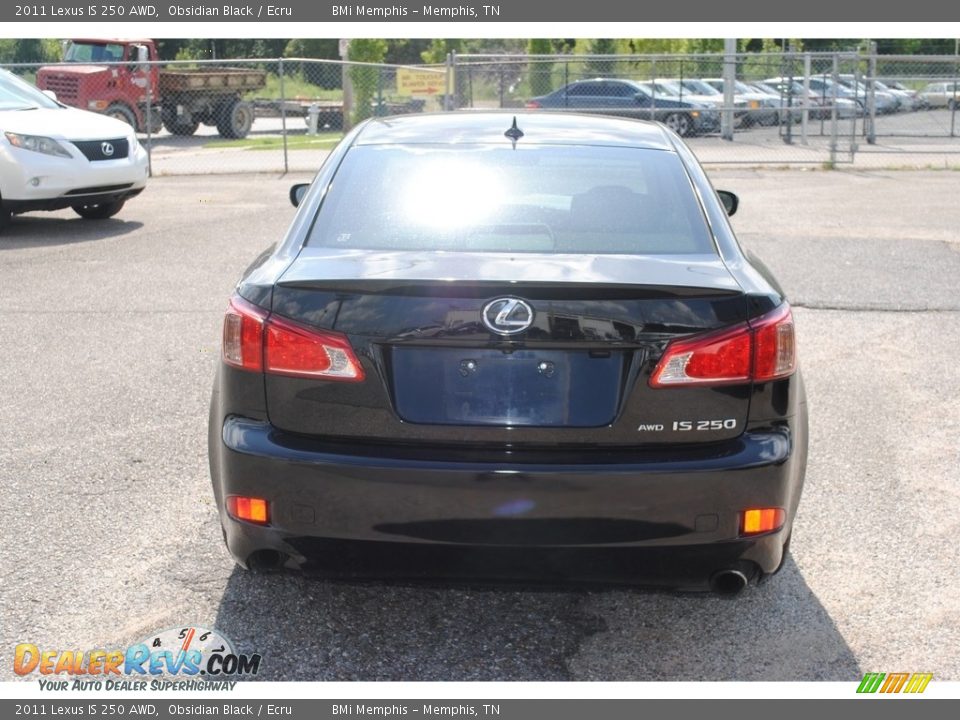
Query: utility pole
729	83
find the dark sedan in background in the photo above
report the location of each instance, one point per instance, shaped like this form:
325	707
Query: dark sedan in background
626	98
511	347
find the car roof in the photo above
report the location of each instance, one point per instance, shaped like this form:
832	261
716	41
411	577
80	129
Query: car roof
538	128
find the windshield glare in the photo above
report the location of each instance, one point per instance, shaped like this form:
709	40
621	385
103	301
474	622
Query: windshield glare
15	94
536	199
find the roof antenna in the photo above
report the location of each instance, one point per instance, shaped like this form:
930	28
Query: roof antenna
514	133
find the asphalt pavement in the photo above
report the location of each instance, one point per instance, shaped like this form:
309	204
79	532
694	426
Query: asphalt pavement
110	339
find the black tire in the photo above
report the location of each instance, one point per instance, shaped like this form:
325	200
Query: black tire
680	123
951	105
178	124
118	111
99	211
4	218
235	119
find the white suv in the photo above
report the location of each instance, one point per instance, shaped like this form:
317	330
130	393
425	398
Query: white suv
54	157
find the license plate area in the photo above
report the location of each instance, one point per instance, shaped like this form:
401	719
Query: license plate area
535	388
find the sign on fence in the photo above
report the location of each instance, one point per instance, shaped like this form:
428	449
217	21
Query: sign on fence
411	82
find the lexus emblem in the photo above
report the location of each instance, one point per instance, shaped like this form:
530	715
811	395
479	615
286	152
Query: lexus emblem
106	148
507	316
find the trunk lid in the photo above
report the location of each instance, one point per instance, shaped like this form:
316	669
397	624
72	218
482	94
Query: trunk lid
436	372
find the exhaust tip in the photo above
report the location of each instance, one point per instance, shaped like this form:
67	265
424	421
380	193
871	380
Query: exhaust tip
728	582
266	561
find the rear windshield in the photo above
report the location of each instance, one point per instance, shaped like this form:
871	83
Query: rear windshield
538	198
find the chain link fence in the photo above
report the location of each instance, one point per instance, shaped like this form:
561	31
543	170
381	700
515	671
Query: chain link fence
242	115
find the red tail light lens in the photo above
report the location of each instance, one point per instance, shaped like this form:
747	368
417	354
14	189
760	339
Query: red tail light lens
254	340
774	345
532	105
243	335
761	520
295	350
251	509
763	349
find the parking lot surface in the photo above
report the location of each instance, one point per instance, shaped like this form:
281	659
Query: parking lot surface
111	335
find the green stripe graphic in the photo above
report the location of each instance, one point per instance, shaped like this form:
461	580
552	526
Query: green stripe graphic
871	682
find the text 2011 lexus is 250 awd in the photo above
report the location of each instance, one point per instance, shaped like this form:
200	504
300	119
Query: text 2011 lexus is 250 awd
510	347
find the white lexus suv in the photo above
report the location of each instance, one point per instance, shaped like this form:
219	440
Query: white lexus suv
54	157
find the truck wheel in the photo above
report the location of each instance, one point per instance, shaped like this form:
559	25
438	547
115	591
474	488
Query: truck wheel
122	112
178	124
235	119
100	211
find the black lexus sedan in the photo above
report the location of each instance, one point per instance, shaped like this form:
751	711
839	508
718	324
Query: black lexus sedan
510	346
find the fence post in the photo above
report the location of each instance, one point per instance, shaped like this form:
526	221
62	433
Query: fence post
871	93
805	103
834	129
283	117
448	83
149	120
347	84
729	86
653	89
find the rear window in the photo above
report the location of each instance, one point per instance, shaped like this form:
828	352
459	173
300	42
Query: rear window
537	198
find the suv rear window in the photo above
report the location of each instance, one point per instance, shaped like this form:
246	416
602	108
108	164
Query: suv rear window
535	198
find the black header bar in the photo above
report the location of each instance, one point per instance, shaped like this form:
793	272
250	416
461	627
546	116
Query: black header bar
489	11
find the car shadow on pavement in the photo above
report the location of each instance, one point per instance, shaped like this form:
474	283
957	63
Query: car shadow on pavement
31	231
311	629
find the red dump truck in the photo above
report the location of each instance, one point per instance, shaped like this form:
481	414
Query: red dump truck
115	77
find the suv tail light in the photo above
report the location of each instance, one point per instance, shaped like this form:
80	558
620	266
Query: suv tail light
257	341
760	350
532	105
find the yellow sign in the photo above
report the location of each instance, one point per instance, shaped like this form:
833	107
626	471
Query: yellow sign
421	82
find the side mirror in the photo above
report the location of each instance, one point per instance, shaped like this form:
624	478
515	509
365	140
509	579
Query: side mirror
730	201
297	193
50	94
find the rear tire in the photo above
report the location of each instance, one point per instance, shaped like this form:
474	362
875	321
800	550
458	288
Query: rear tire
235	119
183	125
951	105
99	211
680	123
4	218
123	113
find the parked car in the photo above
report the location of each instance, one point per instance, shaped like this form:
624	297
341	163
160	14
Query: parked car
761	108
54	157
820	101
910	98
885	101
698	91
942	94
514	346
627	98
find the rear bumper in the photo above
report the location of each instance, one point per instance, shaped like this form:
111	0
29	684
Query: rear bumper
645	520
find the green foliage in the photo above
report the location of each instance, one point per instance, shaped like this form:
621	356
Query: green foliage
366	80
541	71
439	49
324	76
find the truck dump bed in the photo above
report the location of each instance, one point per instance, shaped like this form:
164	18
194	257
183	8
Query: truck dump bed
225	80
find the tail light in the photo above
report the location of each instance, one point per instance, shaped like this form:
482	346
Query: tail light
533	105
759	350
257	341
251	509
761	520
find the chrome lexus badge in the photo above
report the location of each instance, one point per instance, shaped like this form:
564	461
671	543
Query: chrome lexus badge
106	148
507	316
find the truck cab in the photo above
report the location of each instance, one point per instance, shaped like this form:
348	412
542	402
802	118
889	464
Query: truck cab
109	76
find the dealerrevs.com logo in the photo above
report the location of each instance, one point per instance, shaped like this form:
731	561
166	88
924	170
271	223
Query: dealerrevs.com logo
199	654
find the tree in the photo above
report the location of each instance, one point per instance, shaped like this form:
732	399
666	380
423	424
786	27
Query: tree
366	79
540	70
